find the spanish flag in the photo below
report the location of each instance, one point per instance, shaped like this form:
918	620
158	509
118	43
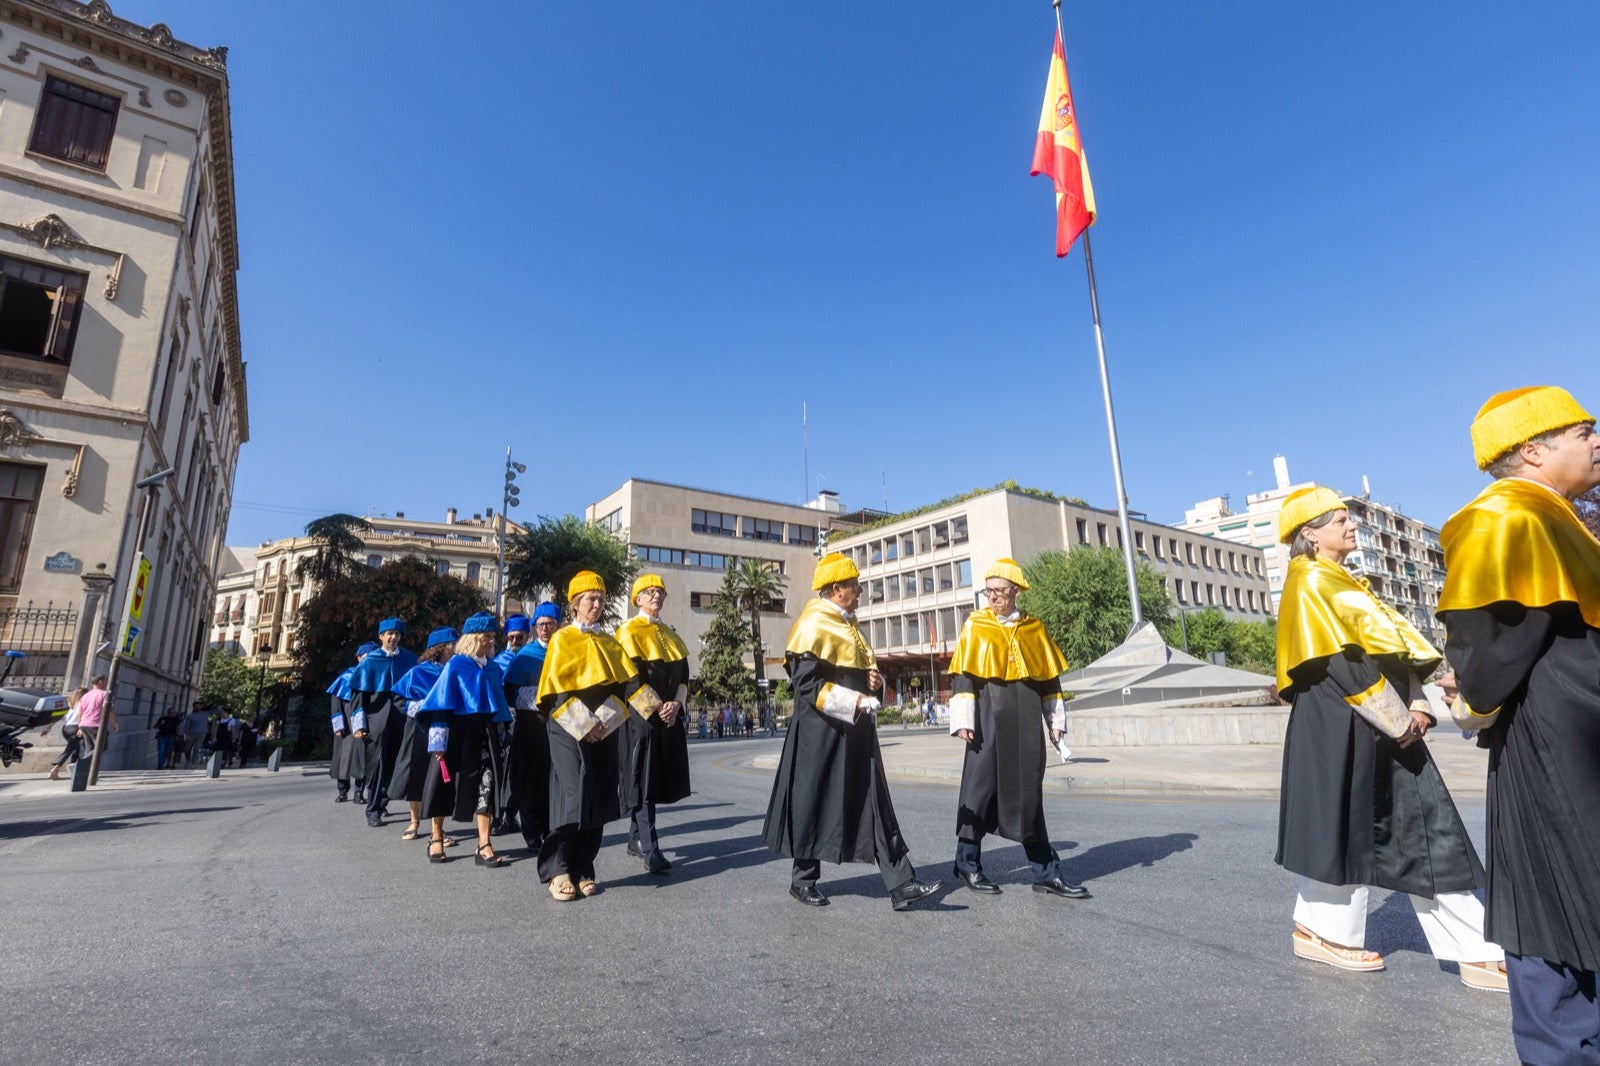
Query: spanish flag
1058	152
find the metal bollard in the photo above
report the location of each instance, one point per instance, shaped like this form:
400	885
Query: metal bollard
80	776
274	759
214	765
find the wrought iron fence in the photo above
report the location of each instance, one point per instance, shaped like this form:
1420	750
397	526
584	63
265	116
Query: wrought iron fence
43	634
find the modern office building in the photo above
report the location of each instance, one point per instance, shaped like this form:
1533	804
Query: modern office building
922	571
120	359
1400	556
690	536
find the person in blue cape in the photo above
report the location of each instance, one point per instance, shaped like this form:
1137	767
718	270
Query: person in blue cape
459	715
528	759
518	630
348	762
378	712
411	765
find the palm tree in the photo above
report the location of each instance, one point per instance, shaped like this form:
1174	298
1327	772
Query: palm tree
339	538
756	583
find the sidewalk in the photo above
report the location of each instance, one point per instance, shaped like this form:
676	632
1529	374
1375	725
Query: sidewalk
931	755
39	786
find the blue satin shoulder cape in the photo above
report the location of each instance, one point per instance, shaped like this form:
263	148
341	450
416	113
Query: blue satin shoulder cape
465	688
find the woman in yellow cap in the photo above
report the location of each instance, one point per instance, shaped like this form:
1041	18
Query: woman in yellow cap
584	690
655	746
1362	802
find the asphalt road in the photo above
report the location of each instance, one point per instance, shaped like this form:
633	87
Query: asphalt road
251	920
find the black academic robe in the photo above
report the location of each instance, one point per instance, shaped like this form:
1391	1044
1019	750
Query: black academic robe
1002	774
583	777
349	759
830	791
1355	808
1541	667
655	755
528	754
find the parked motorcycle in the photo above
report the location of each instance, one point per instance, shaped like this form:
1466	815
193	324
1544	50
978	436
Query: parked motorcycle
22	709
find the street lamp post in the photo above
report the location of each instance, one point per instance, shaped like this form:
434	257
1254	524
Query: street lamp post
152	488
508	499
261	681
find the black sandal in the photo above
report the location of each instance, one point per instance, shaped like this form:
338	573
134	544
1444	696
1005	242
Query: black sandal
439	857
413	830
491	860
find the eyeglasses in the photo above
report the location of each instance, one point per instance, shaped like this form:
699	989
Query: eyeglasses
990	591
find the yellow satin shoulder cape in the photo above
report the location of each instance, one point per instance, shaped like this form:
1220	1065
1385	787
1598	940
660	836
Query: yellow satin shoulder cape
1518	542
651	641
995	652
1325	609
577	660
822	631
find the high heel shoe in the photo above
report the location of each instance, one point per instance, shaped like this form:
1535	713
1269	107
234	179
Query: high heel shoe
491	860
440	857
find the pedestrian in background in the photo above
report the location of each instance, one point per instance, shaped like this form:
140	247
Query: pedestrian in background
70	737
192	732
94	712
166	738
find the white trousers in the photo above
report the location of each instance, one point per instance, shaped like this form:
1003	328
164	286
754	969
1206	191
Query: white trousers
1452	921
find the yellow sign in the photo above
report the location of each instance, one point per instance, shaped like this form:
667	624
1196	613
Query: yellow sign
141	585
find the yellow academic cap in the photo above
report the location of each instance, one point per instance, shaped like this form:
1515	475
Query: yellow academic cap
833	568
1513	417
584	581
646	581
1007	570
1301	506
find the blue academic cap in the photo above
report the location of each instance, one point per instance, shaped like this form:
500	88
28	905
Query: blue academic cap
517	623
482	622
547	609
367	649
391	623
446	635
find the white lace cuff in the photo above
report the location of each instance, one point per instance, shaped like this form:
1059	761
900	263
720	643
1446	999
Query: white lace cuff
963	712
838	702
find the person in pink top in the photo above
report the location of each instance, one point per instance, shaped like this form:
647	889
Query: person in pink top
92	708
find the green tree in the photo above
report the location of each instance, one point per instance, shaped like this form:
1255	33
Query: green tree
1255	647
346	611
546	557
755	584
338	538
1209	631
1081	596
231	682
723	676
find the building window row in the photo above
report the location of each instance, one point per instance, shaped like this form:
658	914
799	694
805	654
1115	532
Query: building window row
1190	593
912	542
927	628
648	553
926	581
772	530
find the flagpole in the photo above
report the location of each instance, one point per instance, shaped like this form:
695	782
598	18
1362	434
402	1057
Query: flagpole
1111	416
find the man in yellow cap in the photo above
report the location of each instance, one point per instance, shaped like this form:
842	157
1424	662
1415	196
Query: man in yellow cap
1521	607
830	799
1005	680
655	745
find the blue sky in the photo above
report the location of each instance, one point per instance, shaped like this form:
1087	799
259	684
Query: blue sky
630	240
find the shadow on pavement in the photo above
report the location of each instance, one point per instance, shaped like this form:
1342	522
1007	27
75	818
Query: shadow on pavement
1105	859
1394	927
691	862
126	820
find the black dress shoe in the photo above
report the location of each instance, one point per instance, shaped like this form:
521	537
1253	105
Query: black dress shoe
341	798
375	821
911	891
1058	887
977	882
809	896
657	863
633	849
361	797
